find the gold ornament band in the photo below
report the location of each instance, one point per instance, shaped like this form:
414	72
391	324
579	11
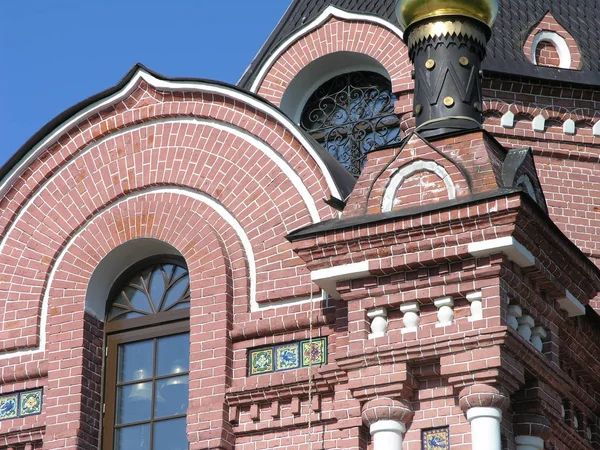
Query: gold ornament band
439	29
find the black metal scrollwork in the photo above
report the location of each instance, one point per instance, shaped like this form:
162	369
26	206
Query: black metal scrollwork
350	115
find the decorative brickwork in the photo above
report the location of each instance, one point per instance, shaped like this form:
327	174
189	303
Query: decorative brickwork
456	280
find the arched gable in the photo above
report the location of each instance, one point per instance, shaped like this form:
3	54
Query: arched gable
151	144
331	32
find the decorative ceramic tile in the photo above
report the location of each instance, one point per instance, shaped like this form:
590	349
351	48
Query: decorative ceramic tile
287	356
261	361
314	353
436	439
9	406
31	403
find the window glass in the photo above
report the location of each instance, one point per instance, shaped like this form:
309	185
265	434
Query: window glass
352	114
147	375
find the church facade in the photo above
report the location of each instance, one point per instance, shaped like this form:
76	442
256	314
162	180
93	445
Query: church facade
384	237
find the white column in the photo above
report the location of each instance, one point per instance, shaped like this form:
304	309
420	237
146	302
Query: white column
411	317
526	323
475	298
379	322
445	306
513	314
529	443
538	334
485	428
387	434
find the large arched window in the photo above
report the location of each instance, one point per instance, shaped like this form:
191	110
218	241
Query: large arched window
147	358
352	114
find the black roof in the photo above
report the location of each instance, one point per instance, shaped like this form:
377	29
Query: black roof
515	19
343	180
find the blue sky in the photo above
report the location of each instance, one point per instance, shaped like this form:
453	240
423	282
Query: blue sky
55	53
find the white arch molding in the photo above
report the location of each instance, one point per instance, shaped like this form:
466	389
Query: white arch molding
170	86
321	70
559	43
410	169
328	13
252	140
94	307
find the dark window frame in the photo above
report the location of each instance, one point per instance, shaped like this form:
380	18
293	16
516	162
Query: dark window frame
122	331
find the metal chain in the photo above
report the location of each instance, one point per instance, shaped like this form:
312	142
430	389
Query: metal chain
310	363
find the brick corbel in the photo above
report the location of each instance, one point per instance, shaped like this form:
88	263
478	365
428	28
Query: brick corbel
483	395
385	408
390	382
539	398
483	366
324	381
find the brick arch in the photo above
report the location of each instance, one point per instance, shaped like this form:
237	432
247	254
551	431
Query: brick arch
336	35
146	103
415	170
549	31
210	264
252	189
374	182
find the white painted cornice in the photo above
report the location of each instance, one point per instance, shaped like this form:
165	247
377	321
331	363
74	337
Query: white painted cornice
508	245
327	279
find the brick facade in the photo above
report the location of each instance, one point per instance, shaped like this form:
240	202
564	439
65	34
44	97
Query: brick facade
496	265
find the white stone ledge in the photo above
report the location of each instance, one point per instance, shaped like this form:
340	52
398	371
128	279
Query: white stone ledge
327	279
508	245
571	305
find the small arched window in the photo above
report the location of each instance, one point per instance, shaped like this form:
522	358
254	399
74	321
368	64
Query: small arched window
352	114
146	383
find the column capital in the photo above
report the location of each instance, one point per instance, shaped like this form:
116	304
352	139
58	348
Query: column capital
528	424
385	408
483	396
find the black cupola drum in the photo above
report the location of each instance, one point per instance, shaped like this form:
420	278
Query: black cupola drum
446	41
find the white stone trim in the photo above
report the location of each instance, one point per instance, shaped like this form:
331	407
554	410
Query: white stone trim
252	140
198	196
508	245
329	12
387	434
192	86
596	129
569	126
476	301
379	322
508	120
529	443
326	279
571	305
406	171
485	428
538	123
559	43
445	313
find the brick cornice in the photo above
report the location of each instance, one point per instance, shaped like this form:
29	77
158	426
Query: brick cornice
260	388
421	349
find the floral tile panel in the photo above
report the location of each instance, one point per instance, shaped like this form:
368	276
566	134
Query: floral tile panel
261	361
436	439
31	403
21	404
9	406
287	357
291	355
315	352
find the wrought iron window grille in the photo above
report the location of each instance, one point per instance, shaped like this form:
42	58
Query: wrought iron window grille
352	114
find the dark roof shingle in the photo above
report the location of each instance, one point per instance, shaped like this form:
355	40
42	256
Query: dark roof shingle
515	19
